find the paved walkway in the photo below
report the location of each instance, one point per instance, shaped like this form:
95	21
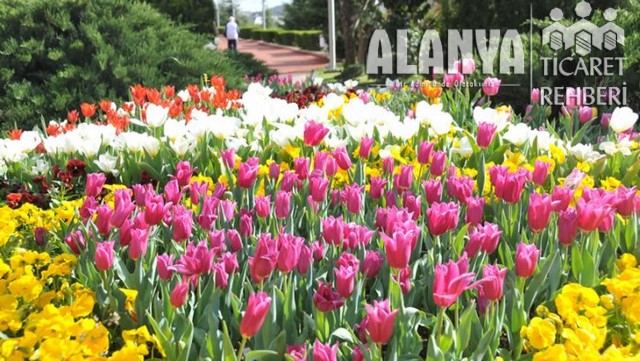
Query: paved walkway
284	60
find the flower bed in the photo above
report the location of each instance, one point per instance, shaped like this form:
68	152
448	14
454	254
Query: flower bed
320	222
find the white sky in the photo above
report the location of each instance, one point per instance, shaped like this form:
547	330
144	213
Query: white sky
256	5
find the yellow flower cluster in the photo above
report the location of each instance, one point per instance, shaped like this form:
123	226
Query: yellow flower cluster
43	317
587	326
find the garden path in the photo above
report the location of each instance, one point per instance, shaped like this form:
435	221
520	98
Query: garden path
285	60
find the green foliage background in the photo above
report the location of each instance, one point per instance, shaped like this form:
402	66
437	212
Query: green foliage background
55	55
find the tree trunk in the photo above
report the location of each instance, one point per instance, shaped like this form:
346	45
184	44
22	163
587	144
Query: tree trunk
346	14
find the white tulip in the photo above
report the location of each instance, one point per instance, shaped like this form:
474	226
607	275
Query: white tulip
622	119
517	134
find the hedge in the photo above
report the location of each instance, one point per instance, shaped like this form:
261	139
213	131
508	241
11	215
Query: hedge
304	39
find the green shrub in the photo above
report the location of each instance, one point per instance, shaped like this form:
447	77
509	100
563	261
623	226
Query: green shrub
285	37
351	72
307	39
54	55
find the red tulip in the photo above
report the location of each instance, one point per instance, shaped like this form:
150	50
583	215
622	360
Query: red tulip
381	321
264	259
257	310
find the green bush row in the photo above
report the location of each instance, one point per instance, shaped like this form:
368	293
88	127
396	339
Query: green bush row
304	39
54	55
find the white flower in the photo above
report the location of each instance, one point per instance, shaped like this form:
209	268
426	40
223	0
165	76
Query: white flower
405	130
441	123
622	119
107	163
156	115
350	84
40	168
543	138
425	112
317	81
584	153
611	148
517	134
184	95
490	115
464	147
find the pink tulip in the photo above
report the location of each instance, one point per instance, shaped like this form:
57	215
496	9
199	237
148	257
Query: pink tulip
535	96
442	217
605	119
154	209
342	158
347	259
103	220
182	223
381	321
228	209
540	172
372	264
567	226
217	241
388	165
235	241
539	211
104	256
264	259
404	279
229	158
75	241
490	287
433	191
88	208
377	186
184	173
314	133
592	213
475	210
625	202
453	79
230	262
274	171
139	241
585	114
460	188
326	299
325	352
450	280
122	207
353	196
305	260
561	198
247	174
289	248
398	248
220	276
318	187
345	280
486	131
164	264
95	182
491	86
197	190
331	167
257	309
179	294
263	206
283	204
508	185
404	180
297	352
424	152
172	192
438	163
412	204
483	238
333	230
246	223
365	147
526	259
301	166
208	215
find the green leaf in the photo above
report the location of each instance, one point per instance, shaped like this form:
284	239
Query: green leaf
227	346
259	355
343	334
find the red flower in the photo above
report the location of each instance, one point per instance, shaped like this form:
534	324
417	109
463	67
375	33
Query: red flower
75	167
15	134
88	110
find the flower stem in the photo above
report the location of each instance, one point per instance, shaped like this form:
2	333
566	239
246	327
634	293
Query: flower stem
379	347
239	356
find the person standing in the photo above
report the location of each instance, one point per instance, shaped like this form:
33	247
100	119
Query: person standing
231	32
